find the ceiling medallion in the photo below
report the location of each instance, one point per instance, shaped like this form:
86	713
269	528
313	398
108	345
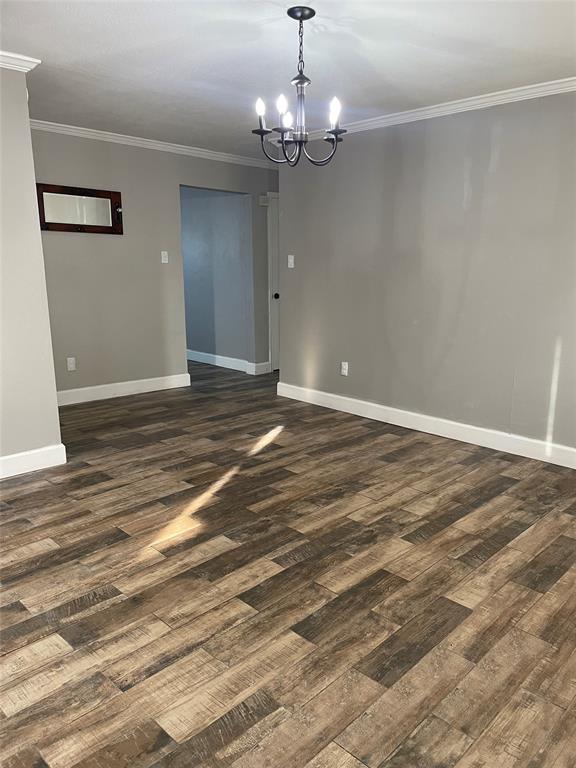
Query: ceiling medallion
293	138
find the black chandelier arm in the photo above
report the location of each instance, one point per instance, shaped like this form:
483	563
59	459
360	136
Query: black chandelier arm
327	159
272	159
292	159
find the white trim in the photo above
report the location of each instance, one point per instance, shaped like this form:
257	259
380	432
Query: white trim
136	141
30	461
122	388
255	369
484	101
273	243
264	200
467	433
234	363
221	360
17	61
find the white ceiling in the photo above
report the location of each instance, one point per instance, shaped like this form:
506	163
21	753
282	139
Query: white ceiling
189	71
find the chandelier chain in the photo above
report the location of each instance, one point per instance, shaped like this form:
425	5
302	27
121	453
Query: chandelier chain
301	47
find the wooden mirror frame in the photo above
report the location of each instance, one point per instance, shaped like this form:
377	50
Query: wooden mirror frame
115	210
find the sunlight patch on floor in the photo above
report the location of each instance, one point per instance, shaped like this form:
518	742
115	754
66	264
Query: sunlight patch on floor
265	440
183	521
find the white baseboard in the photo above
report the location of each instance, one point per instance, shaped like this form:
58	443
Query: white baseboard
553	453
121	388
257	368
254	369
30	461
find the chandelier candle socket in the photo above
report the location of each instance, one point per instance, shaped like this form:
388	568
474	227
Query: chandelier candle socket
294	137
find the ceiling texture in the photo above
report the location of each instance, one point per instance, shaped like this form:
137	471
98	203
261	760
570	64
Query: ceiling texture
189	71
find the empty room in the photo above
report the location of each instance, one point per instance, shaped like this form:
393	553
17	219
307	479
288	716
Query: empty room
287	384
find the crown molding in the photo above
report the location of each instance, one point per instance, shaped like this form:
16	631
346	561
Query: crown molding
136	141
461	105
484	101
17	61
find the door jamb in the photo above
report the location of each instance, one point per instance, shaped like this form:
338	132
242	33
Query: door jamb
265	202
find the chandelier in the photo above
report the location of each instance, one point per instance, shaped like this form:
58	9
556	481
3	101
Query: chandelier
293	138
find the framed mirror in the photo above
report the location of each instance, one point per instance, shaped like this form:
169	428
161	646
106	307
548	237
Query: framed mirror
76	209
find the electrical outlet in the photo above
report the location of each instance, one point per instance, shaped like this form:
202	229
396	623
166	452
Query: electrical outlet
164	257
343	368
70	364
290	261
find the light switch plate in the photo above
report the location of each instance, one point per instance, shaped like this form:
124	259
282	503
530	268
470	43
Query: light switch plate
164	257
290	261
70	364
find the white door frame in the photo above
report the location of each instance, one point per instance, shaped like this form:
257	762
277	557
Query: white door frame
271	201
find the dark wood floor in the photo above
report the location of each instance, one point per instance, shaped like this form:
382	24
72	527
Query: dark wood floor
220	577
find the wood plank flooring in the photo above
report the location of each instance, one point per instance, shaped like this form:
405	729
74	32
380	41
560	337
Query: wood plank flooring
221	577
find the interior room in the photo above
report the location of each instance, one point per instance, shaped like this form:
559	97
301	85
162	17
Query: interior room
288	384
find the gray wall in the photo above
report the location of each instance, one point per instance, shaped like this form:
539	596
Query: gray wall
218	275
112	303
28	409
439	259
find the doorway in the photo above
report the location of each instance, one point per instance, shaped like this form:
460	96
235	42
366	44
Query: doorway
227	322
